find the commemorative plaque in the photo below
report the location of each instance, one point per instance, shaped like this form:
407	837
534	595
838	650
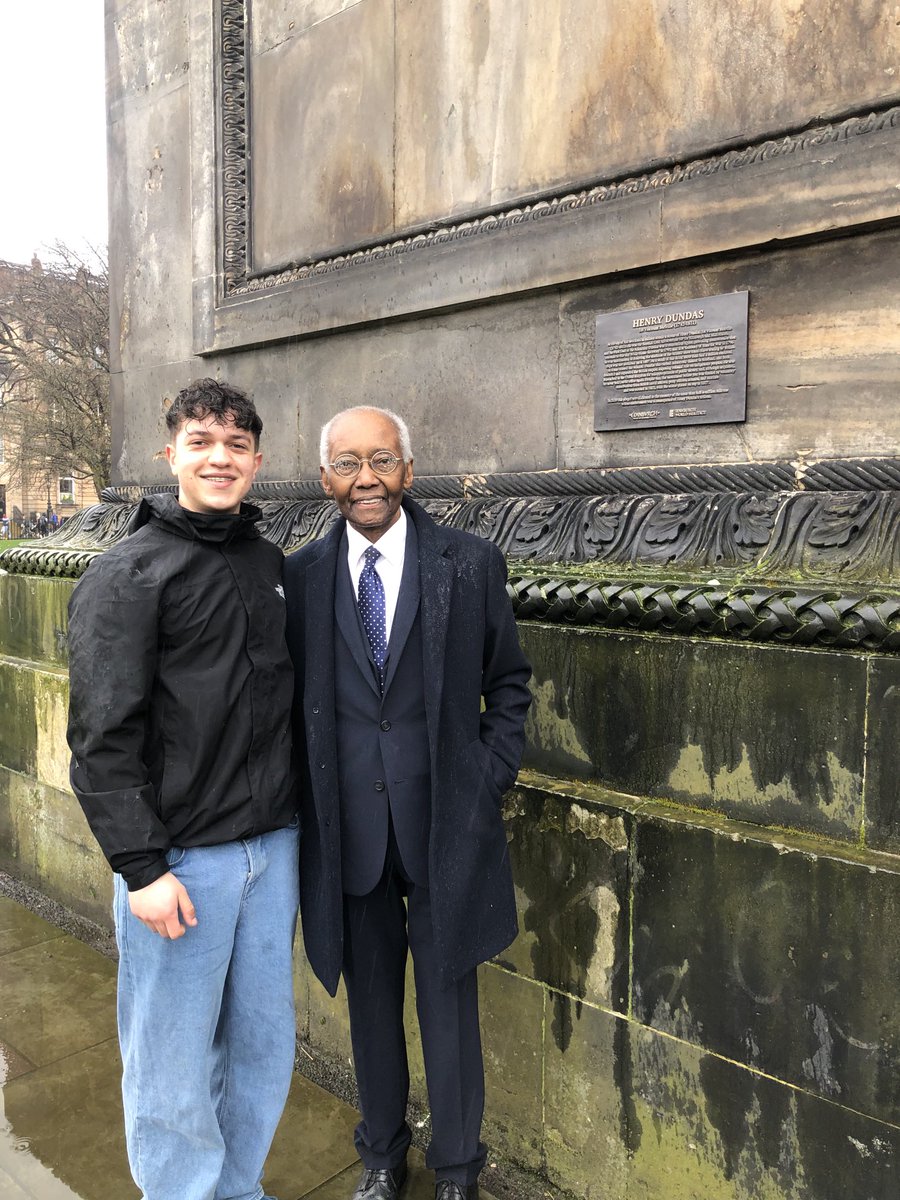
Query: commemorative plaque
673	364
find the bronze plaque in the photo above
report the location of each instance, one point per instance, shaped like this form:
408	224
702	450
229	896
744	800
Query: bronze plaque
673	364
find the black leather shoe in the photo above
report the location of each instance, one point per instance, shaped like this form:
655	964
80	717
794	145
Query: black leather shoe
446	1189
381	1184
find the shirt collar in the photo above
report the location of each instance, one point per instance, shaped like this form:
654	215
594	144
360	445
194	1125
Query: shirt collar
392	544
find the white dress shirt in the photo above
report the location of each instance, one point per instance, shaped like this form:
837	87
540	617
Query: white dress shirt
389	565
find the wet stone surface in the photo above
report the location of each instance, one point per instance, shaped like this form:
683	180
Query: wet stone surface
782	960
33	619
764	734
632	1113
512	1023
61	1135
883	755
570	866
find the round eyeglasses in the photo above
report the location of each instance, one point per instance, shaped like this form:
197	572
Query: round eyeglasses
382	463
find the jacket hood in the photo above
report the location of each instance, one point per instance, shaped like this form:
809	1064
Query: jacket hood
163	509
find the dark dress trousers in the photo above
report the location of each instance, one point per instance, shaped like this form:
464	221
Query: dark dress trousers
403	842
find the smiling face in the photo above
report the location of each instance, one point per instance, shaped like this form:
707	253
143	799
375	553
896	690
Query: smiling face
215	464
370	502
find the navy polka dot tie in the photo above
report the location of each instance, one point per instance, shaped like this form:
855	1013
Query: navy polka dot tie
370	598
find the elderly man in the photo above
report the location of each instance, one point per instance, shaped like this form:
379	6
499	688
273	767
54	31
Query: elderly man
411	700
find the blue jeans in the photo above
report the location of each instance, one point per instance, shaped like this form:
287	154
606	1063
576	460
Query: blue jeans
206	1022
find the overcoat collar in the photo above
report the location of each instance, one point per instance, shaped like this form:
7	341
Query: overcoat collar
437	572
319	610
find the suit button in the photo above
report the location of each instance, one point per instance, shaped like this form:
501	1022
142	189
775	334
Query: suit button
316	708
322	766
379	785
385	725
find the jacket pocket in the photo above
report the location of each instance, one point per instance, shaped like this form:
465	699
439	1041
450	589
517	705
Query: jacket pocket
484	761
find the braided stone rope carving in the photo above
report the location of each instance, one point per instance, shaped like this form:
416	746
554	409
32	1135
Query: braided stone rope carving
801	616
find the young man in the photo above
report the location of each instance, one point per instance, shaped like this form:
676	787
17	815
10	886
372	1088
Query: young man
181	758
411	700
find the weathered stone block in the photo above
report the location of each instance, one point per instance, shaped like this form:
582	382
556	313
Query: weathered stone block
512	1020
780	957
631	1114
818	332
491	106
477	388
587	1100
276	21
33	731
323	139
328	1020
45	840
51	699
760	733
19	727
147	52
882	790
34	619
570	865
150	208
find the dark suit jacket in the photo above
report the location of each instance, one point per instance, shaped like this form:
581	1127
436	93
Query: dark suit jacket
384	761
470	650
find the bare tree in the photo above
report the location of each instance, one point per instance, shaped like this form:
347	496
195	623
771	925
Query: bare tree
54	366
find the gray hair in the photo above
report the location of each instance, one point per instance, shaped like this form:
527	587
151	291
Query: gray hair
397	421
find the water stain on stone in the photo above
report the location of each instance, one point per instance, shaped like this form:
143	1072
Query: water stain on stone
630	1127
571	866
731	1100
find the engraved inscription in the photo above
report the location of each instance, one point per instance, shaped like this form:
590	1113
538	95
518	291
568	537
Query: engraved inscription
674	364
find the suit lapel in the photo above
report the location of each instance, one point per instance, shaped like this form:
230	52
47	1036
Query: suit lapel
437	572
319	642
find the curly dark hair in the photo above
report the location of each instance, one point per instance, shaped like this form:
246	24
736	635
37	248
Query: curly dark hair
210	397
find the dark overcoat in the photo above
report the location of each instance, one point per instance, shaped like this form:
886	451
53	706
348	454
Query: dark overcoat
470	652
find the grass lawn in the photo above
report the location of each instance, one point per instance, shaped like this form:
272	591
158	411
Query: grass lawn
5	545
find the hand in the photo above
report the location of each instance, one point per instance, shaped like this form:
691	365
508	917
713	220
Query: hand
158	905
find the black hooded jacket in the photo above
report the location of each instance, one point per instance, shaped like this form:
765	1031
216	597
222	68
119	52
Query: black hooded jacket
181	688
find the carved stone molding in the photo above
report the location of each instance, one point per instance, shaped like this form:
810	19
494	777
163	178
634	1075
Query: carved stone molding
814	521
234	135
809	552
234	144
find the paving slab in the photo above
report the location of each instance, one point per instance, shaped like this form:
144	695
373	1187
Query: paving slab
61	1132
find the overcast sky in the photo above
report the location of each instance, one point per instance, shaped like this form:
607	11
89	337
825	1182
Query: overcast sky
52	79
